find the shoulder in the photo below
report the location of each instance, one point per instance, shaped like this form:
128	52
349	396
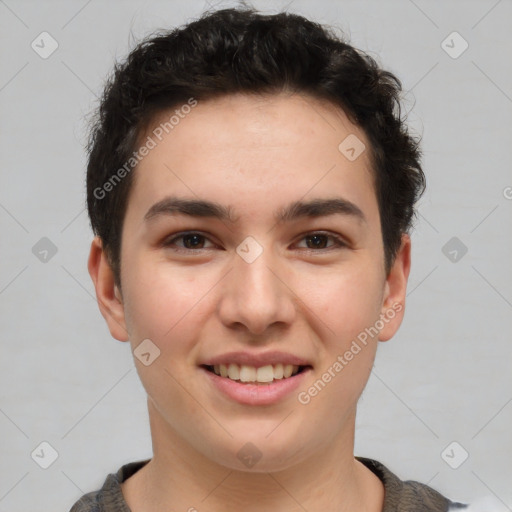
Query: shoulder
421	497
409	495
102	499
110	497
87	503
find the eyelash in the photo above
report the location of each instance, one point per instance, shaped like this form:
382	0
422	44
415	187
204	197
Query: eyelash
339	242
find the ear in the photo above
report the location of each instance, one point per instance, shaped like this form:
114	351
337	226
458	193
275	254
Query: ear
107	293
393	303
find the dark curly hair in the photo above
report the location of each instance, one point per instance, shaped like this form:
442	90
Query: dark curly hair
240	50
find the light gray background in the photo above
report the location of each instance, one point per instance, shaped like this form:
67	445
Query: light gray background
445	377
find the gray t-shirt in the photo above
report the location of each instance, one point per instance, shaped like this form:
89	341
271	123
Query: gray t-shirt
400	496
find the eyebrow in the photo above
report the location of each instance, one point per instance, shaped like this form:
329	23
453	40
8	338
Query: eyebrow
298	209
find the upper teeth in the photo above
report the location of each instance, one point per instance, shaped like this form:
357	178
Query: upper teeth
252	374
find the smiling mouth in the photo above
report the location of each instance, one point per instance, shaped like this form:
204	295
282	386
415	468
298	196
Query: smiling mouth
252	375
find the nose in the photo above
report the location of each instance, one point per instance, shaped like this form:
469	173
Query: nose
257	296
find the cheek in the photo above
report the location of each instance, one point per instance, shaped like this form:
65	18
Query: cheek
349	306
165	307
350	309
346	300
162	302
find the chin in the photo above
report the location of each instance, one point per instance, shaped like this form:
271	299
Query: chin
261	455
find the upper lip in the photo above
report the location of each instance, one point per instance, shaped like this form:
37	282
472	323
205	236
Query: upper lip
256	359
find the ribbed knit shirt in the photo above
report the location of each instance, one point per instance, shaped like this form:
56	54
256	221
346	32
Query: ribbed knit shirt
400	496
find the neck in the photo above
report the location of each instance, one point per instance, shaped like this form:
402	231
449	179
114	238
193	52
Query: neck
180	478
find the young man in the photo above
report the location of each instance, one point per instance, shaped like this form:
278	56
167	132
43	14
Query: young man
251	187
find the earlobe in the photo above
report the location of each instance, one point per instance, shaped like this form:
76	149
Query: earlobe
393	305
107	294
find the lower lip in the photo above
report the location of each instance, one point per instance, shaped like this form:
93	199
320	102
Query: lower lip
256	394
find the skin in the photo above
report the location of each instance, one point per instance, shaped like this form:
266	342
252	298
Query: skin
255	154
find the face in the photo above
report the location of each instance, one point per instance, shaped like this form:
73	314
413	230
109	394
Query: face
284	263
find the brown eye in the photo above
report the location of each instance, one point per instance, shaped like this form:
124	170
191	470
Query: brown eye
319	241
191	241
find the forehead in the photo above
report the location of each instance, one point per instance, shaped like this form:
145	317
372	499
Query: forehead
248	120
251	152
